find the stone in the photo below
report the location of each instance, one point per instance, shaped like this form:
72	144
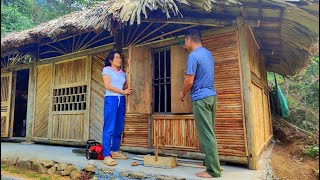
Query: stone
90	168
68	170
38	167
108	171
75	175
137	175
52	170
24	164
48	164
94	178
61	166
13	161
124	174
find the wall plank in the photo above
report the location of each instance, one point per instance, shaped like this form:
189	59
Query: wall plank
140	79
179	61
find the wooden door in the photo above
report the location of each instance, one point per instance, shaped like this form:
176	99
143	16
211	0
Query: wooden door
140	80
179	61
6	86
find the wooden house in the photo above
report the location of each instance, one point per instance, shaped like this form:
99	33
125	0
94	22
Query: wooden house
56	68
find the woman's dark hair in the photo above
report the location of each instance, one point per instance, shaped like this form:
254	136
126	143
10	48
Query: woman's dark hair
110	57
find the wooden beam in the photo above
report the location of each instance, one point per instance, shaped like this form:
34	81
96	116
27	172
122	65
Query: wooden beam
13	99
262	5
246	86
193	21
30	105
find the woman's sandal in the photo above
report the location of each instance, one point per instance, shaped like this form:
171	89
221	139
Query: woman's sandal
109	162
119	156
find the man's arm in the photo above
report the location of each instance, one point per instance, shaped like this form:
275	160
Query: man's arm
188	83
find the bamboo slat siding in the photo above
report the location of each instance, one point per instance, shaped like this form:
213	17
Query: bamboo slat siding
3	124
97	97
70	72
68	127
229	128
42	102
179	131
135	131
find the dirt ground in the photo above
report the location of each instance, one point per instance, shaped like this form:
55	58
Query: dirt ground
288	159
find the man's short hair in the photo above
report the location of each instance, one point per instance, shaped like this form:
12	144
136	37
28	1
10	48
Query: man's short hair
194	35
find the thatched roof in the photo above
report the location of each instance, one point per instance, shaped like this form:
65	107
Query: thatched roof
286	29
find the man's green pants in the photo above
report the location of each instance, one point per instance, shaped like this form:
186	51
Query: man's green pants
204	111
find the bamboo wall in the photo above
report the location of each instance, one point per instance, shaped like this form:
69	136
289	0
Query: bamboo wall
179	130
260	112
97	97
61	100
6	84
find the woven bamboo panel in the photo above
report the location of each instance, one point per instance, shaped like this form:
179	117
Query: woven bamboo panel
97	97
179	131
229	116
135	131
68	126
42	101
70	72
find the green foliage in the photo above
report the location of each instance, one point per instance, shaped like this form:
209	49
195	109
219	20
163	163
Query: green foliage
18	15
312	151
302	93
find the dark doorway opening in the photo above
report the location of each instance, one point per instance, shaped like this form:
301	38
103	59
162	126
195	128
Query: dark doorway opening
21	99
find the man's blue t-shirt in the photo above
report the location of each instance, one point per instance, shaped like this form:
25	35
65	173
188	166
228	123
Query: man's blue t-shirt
201	66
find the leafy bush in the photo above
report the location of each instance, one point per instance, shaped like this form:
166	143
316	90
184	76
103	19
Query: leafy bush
312	151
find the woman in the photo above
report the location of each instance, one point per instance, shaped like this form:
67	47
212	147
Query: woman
114	108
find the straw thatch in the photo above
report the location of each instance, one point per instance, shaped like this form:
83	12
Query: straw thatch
298	22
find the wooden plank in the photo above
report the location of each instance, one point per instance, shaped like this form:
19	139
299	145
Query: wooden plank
140	79
179	61
86	133
13	102
246	80
169	162
30	104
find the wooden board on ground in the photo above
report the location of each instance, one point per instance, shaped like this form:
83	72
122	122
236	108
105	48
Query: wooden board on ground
170	162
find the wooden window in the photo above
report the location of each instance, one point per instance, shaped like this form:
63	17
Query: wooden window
70	98
162	80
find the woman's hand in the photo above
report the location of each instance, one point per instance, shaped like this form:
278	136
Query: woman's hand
127	91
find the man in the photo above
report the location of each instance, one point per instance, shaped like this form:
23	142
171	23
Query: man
200	80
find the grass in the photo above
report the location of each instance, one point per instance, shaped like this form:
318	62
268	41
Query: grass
14	170
33	175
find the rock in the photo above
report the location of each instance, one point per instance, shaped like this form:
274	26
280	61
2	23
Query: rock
75	175
94	178
90	168
137	175
52	170
124	174
38	167
68	170
61	166
108	171
48	164
13	161
24	164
